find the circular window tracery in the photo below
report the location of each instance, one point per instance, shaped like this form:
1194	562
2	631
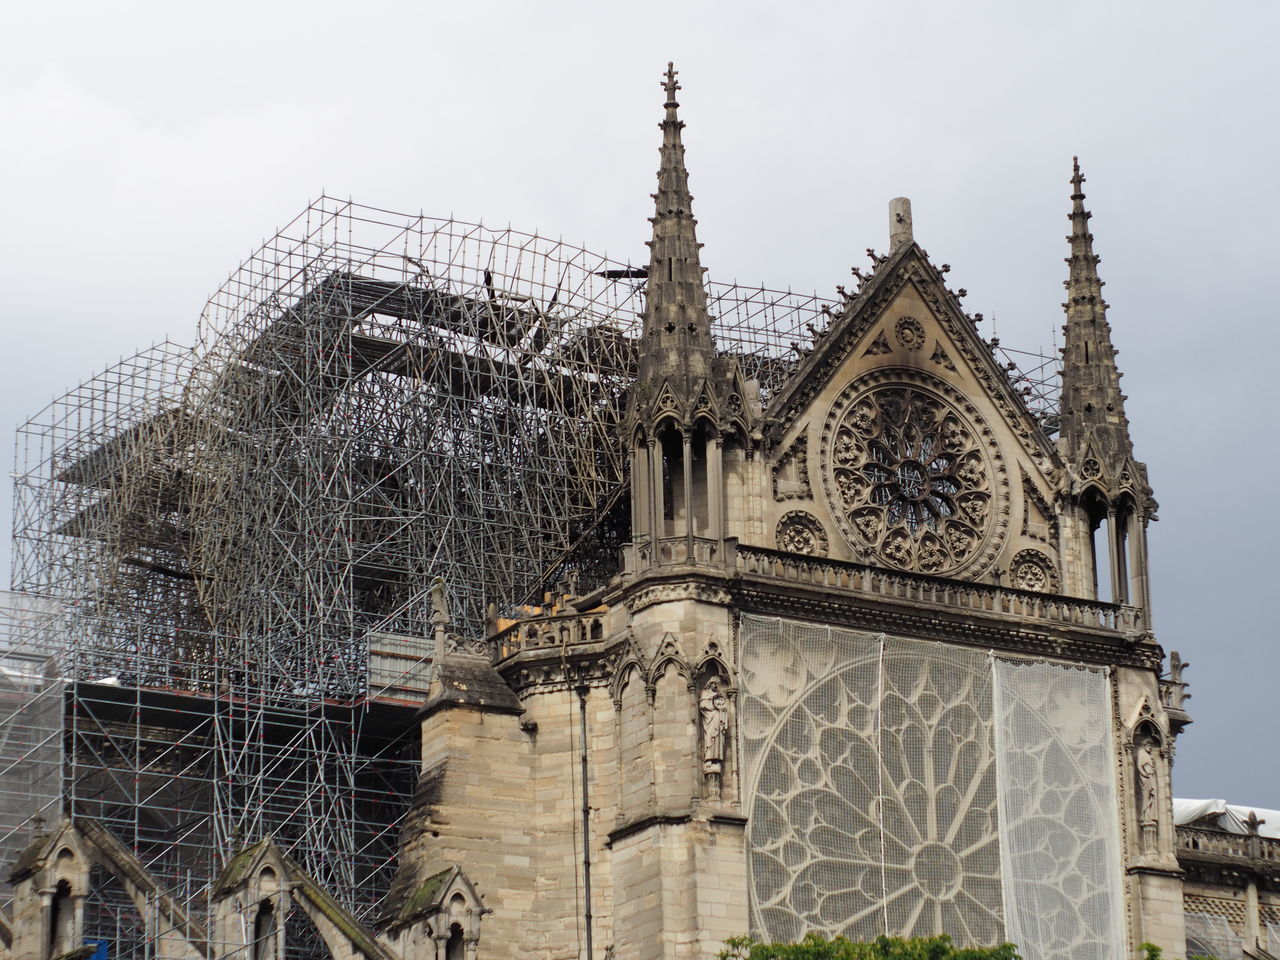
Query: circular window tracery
1032	570
911	476
801	532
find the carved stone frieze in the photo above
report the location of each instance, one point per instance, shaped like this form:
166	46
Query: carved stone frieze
942	358
669	592
791	472
801	532
913	475
1039	522
879	346
549	669
468	645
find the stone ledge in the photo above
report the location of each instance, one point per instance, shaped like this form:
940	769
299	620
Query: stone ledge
644	823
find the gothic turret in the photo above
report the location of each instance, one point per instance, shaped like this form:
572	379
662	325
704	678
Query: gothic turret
1109	486
1093	419
685	402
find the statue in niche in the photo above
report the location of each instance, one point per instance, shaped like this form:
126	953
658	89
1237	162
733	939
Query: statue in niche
1148	809
714	707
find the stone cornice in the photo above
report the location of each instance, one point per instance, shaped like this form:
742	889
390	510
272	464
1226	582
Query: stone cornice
644	823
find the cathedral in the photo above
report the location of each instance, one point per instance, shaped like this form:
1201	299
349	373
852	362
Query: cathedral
877	657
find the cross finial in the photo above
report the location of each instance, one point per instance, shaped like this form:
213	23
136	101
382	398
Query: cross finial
1077	178
670	85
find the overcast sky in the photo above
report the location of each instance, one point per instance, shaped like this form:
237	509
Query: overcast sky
149	147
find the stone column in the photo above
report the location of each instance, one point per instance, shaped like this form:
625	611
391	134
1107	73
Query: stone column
1253	922
686	451
658	508
637	510
715	487
1138	579
1116	548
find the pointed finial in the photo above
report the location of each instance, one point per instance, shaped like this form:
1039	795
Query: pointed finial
670	85
1077	179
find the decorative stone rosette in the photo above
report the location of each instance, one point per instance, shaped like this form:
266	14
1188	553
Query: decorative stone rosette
1033	570
801	532
910	333
912	474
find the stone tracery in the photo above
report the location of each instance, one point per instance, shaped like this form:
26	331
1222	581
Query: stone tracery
801	532
911	475
1033	570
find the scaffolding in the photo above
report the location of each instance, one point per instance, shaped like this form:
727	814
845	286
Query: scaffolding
234	544
240	537
31	698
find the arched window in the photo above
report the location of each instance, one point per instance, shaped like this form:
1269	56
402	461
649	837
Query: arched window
264	932
454	948
61	921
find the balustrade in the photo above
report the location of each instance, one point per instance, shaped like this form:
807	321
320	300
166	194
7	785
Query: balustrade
980	597
1222	844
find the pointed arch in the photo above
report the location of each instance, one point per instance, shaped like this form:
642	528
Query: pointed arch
632	669
669	654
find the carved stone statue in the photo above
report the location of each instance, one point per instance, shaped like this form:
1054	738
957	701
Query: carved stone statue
1148	807
714	707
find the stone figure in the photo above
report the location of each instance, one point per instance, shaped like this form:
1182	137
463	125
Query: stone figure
1148	811
714	707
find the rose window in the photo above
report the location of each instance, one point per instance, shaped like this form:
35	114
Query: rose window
910	478
871	786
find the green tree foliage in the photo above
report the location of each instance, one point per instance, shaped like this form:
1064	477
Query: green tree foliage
815	947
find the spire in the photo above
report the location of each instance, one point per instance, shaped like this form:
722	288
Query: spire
1092	403
677	331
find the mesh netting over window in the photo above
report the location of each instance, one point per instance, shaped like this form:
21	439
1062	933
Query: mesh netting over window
876	791
1058	822
1273	938
1209	936
871	777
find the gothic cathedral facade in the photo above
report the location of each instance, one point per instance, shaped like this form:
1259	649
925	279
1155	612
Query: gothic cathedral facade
879	659
856	675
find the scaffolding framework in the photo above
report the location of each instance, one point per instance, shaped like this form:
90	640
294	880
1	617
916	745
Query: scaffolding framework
234	544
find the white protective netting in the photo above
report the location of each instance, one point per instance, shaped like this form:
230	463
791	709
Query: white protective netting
1210	936
870	774
882	799
1273	939
1059	833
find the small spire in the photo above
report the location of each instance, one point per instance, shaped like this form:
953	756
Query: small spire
677	330
1092	402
